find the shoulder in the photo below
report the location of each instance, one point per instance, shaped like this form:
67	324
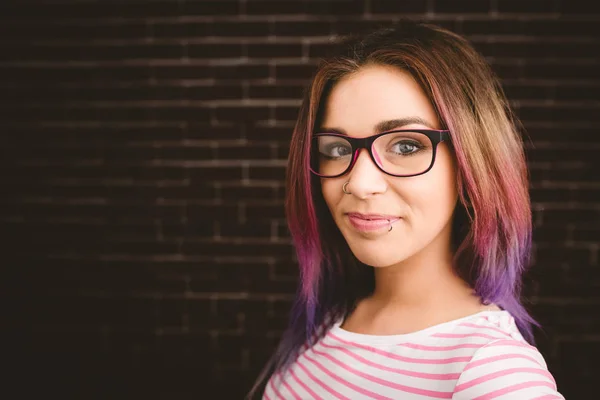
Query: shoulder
506	366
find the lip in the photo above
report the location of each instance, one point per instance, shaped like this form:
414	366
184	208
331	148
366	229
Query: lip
371	222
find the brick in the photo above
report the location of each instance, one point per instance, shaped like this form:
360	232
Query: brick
300	72
183	152
264	211
576	216
580	113
582	352
354	25
237	114
95	52
210	7
556	70
585	195
214	92
197	214
200	311
531	6
576	93
495	26
574	172
317	50
272	133
528	92
578	7
550	234
81	10
385	7
25	30
240	72
506	70
161	72
254	229
217	132
283	113
556	256
561	27
558	154
321	7
582	233
171	312
275	91
248	192
238	28
244	152
274	50
214	50
462	6
179	29
242	249
179	113
268	173
192	228
301	28
551	133
551	195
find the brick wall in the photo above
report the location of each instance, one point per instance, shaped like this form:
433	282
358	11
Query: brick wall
143	159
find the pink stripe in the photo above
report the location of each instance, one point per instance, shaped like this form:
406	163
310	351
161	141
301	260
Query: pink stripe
402	358
501	357
272	384
324	386
289	388
309	390
464	335
343	381
549	397
266	396
441	348
472	325
431	393
423	375
513	388
498	374
511	342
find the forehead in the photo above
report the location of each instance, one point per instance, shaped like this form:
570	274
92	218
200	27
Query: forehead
359	101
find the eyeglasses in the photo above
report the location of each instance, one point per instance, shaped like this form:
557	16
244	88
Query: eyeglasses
400	153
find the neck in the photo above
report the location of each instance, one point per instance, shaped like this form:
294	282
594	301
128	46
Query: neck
425	281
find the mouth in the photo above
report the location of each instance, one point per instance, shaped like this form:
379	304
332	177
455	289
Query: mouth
371	222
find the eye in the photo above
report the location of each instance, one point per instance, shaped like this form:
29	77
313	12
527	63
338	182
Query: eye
406	147
334	149
338	150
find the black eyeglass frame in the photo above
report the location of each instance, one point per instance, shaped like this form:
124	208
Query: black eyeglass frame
435	135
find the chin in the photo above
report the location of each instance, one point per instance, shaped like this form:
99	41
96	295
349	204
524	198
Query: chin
377	255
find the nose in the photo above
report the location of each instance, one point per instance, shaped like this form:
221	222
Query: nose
366	179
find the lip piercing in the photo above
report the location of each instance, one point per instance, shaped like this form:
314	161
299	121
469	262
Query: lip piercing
390	222
344	187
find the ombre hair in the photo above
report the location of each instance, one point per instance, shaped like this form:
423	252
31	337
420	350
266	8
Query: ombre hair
491	228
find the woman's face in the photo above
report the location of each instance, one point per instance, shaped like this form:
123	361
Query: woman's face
420	208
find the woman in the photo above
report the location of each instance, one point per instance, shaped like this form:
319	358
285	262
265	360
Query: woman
408	205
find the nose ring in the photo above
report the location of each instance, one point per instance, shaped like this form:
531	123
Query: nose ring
344	187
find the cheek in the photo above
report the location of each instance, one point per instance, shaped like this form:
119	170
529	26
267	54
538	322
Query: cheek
432	196
332	193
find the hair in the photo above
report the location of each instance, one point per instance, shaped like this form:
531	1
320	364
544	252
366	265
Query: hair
491	227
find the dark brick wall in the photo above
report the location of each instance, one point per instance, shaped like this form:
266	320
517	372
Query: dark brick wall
144	146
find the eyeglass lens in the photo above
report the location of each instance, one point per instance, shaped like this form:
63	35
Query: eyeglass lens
400	153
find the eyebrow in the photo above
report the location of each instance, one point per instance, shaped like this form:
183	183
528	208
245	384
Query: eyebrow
388	125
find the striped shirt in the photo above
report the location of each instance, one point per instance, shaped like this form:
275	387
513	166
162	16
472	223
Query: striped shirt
481	356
